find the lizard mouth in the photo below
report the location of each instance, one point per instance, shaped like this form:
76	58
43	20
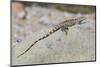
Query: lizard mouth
82	21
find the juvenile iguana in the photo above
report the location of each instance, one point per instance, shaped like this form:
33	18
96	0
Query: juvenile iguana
63	26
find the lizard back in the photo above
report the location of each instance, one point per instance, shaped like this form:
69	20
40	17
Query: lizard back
66	23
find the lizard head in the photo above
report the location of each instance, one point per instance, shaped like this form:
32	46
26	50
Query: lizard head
80	20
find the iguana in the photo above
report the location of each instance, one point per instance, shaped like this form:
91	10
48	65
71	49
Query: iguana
63	26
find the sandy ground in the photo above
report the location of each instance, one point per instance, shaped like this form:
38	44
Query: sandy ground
77	45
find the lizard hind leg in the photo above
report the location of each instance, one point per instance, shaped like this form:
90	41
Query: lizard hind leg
65	30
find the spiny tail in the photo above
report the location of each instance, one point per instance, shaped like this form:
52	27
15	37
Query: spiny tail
27	49
52	31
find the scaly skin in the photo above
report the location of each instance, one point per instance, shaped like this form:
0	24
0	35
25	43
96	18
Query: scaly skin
62	25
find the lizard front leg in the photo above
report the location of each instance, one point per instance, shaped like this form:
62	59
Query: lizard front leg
64	29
